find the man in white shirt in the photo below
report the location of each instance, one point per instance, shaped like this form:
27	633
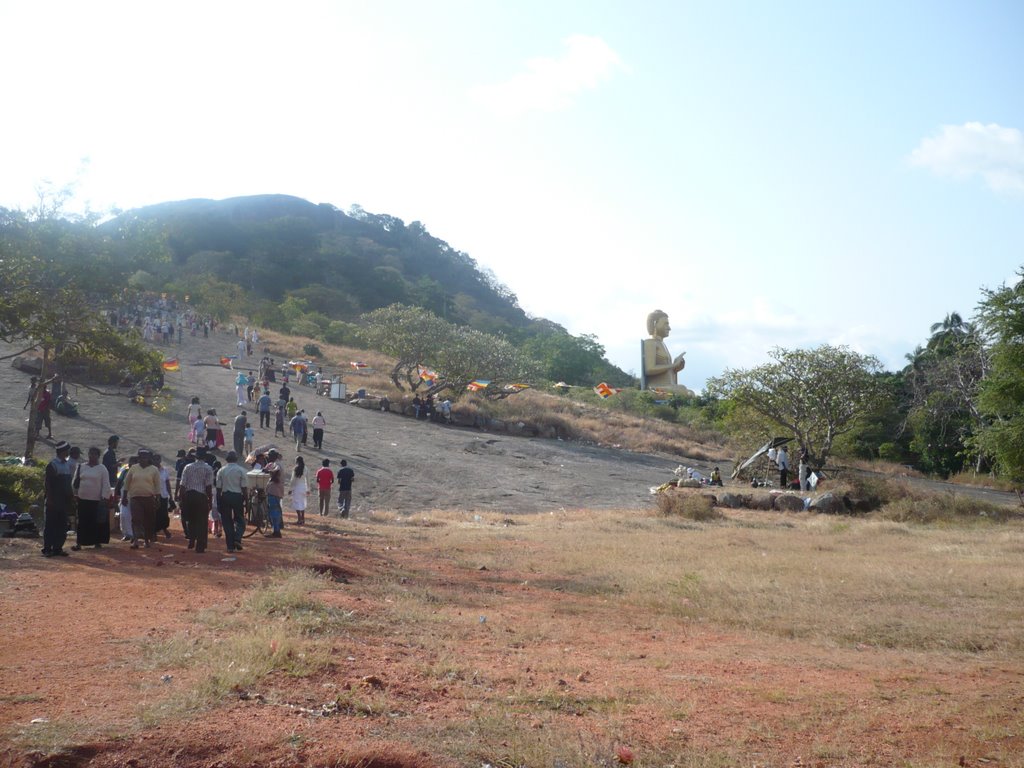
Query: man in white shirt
782	459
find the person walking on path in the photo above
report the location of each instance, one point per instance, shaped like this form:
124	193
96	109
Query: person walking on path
110	458
319	422
92	488
279	421
249	441
324	481
241	382
43	413
298	429
59	497
195	495
300	490
163	506
238	434
214	434
231	484
121	499
275	493
142	485
345	478
263	405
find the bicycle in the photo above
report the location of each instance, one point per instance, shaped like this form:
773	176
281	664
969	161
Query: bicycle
257	513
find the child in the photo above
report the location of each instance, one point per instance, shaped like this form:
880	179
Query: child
250	435
200	430
279	421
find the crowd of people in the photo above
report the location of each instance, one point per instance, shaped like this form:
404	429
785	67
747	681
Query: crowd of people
209	482
142	493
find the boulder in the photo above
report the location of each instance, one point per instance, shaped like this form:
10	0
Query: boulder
733	501
786	502
28	364
758	501
828	504
689	483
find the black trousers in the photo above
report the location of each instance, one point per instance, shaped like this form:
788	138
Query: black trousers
195	508
232	517
55	528
265	419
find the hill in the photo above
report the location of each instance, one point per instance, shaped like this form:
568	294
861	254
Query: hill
293	265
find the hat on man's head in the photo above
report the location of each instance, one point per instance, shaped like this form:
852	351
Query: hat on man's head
63	445
144	452
181	454
201	451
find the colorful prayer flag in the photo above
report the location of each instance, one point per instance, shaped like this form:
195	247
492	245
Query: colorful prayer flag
226	361
516	387
357	364
171	365
603	390
477	384
426	374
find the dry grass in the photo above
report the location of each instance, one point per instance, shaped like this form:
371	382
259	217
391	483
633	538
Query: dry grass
878	467
274	629
692	506
852	585
836	581
984	481
572	418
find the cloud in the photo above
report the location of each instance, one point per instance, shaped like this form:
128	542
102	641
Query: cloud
550	84
991	151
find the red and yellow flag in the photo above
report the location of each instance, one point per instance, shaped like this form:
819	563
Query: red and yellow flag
171	365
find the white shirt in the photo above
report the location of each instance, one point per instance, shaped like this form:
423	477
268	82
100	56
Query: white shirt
93	482
783	459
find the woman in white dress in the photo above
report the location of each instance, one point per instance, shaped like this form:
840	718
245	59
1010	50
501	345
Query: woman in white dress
300	489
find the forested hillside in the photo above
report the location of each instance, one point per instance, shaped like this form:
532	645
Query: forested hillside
312	269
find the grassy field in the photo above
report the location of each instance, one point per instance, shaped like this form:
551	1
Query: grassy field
564	639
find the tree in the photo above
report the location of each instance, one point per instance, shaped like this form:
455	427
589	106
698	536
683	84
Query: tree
1001	397
51	289
815	394
944	380
457	355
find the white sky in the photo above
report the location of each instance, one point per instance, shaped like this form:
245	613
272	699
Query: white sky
767	173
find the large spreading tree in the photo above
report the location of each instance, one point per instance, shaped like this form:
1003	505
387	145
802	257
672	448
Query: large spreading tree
55	273
419	339
813	394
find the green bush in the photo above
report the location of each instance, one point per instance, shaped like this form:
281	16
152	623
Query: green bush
311	350
340	332
20	485
305	327
890	452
